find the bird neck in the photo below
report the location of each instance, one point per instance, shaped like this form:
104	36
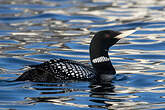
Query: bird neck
100	59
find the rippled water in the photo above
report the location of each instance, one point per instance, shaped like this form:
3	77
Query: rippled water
33	31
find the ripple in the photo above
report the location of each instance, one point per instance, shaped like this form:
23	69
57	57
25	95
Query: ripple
144	40
147	47
76	46
17	62
77	53
39	30
8	41
42	56
9	11
19	52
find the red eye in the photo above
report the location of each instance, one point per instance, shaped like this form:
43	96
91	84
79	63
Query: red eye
107	35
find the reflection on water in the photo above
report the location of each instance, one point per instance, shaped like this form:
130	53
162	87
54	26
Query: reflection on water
38	30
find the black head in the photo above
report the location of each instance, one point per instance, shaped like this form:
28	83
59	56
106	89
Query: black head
106	38
102	41
107	32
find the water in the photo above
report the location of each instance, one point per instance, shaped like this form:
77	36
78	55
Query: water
35	31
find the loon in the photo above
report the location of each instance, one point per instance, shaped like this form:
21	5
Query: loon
64	69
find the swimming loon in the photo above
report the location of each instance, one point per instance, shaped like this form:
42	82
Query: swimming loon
64	69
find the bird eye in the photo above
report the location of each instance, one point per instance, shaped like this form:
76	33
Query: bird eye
107	35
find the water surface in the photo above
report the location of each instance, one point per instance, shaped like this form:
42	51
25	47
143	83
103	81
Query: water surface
35	31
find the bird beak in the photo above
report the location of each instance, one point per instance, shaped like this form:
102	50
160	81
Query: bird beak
126	33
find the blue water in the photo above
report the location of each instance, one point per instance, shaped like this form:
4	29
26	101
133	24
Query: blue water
35	31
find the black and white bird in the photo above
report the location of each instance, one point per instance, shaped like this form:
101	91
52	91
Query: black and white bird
63	69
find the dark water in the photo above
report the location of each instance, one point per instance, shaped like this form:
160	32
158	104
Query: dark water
33	31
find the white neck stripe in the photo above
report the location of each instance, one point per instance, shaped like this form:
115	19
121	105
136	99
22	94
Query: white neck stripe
100	59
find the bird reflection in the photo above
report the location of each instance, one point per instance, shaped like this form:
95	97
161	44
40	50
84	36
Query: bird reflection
101	88
101	93
65	94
